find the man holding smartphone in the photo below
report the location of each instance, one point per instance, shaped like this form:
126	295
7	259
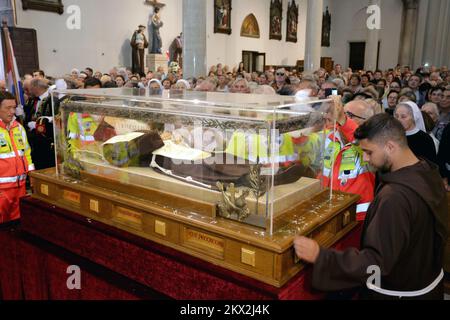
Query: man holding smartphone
327	89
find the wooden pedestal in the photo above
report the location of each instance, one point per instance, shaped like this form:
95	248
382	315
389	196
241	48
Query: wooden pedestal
229	244
154	61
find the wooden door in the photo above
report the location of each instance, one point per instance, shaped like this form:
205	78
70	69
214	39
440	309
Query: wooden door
26	49
357	53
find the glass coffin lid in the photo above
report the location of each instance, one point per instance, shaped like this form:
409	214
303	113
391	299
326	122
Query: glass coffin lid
248	158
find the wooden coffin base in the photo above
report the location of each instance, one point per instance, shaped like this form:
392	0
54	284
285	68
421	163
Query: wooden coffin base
241	248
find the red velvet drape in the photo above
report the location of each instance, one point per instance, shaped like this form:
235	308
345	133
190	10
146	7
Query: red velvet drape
117	265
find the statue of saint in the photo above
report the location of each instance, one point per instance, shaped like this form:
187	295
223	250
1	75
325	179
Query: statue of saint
154	24
138	43
176	50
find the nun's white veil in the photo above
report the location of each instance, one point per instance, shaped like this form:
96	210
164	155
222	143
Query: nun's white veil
417	115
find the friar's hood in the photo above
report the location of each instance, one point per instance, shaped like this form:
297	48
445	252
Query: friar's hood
424	180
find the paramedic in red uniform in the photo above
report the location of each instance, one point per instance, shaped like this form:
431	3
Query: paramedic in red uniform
15	159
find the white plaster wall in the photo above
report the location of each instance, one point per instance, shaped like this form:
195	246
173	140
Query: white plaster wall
436	37
104	38
107	26
228	49
348	24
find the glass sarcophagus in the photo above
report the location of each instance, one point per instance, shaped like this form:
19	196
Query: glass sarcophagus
228	178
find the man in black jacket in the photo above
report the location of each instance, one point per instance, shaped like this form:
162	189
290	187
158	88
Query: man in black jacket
39	124
444	156
405	231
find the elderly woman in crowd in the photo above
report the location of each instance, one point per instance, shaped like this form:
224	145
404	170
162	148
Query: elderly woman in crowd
182	84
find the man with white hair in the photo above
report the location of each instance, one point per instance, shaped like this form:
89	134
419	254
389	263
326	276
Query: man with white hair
207	85
359	111
344	168
340	83
240	86
264	89
435	79
432	110
26	89
309	86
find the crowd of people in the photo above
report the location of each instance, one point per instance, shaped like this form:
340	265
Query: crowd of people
420	100
401	115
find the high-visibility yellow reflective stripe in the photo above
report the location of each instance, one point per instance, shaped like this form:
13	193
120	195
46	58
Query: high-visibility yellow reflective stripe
11	154
12	179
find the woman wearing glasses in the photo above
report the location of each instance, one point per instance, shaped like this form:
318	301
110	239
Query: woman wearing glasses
391	101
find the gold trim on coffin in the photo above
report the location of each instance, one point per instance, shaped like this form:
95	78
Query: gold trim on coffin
285	196
220	241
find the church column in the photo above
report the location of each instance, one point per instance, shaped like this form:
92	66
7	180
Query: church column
408	35
313	44
441	54
421	33
371	53
194	38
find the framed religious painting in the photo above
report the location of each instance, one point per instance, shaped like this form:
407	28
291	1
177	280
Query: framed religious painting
222	16
44	5
276	16
292	22
326	28
250	27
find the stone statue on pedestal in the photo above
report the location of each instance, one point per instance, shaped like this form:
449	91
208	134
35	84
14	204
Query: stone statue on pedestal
176	50
154	24
138	43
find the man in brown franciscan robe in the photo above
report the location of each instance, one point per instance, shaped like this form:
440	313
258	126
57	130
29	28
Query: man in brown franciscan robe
405	230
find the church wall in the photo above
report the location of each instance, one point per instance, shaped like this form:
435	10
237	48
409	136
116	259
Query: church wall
228	49
104	38
435	38
348	24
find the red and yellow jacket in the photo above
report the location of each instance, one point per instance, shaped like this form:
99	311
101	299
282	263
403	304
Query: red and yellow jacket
15	155
350	173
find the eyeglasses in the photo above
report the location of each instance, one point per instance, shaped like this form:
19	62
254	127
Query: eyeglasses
352	115
280	74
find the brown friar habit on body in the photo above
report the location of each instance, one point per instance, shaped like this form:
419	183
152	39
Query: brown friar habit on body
404	233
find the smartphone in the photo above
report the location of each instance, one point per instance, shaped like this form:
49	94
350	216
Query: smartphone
331	92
